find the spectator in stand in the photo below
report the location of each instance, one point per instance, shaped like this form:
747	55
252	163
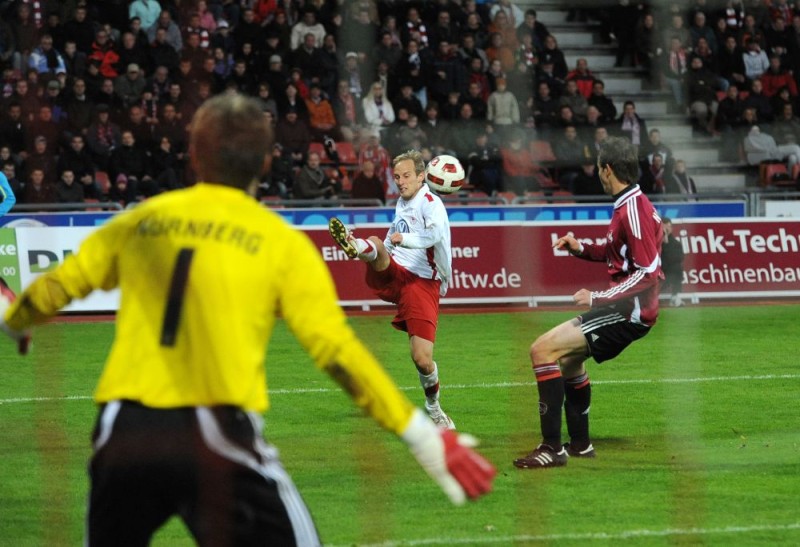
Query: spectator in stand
378	110
677	65
570	155
290	100
477	27
776	77
475	98
631	125
652	179
519	167
730	63
575	100
80	28
756	99
406	134
102	137
760	146
622	18
129	86
26	99
372	150
599	100
502	109
444	30
124	190
533	28
172	31
347	110
308	24
545	74
648	45
47	126
407	100
671	264
462	133
656	147
166	166
312	182
498	50
75	61
727	121
587	182
484	163
43	158
700	29
26	33
779	99
146	10
321	118
679	181
294	136
13	129
755	60
76	159
133	162
104	52
709	58
702	90
545	106
778	39
37	191
161	53
583	77
45	59
551	53
17	185
367	184
469	50
786	128
68	190
448	73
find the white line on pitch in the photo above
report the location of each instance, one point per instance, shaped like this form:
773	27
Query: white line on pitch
299	391
602	536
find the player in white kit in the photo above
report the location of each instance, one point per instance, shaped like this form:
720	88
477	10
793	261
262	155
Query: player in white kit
411	268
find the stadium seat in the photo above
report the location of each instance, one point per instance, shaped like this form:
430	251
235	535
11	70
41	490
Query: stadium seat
92	200
772	173
347	154
319	149
508	196
101	177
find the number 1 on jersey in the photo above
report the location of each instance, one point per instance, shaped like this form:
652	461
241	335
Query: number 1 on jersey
177	291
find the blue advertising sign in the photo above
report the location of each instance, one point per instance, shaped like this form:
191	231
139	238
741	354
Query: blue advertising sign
383	215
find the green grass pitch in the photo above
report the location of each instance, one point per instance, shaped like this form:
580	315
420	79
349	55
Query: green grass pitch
696	429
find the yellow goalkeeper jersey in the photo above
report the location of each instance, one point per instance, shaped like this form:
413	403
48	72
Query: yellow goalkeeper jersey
203	273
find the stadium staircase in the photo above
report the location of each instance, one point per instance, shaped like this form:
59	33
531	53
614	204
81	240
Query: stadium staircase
701	153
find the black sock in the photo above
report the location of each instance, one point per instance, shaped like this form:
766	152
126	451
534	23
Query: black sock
551	398
577	400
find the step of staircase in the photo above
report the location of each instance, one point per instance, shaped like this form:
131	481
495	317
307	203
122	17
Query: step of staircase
720	182
552	17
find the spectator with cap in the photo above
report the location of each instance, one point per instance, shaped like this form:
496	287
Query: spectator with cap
129	86
222	38
276	76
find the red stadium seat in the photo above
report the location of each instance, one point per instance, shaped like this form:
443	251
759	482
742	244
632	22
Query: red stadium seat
774	174
347	154
101	177
319	149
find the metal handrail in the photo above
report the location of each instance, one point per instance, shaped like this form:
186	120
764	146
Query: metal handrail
339	202
47	207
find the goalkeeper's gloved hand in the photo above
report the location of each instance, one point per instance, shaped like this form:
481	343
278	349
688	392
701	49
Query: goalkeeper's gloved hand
448	458
23	339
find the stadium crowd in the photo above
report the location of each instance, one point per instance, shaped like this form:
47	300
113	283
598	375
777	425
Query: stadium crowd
97	95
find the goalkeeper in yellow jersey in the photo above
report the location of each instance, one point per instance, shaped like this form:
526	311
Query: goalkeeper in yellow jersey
203	273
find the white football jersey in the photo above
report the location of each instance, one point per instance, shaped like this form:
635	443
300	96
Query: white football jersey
425	250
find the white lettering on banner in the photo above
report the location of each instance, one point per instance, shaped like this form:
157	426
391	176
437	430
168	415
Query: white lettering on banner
466	252
728	275
499	280
744	240
583	240
333	254
8	250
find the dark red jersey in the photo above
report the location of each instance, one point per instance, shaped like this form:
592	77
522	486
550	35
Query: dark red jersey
631	252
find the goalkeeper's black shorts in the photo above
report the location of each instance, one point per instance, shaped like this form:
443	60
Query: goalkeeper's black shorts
210	466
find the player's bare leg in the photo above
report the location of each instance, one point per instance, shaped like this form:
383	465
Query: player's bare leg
564	341
422	355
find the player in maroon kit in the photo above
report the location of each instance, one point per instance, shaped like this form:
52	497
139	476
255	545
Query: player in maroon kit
617	316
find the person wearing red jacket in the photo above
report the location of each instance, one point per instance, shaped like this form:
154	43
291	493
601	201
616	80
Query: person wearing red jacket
583	77
777	77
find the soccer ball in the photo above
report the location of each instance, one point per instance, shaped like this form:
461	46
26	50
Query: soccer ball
445	174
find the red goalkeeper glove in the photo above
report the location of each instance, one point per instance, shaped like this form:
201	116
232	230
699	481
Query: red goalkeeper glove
23	339
448	458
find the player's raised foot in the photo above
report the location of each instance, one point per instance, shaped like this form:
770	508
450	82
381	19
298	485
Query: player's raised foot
542	456
580	452
343	237
441	419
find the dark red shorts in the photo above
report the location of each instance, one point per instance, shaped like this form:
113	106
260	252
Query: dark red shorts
417	299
